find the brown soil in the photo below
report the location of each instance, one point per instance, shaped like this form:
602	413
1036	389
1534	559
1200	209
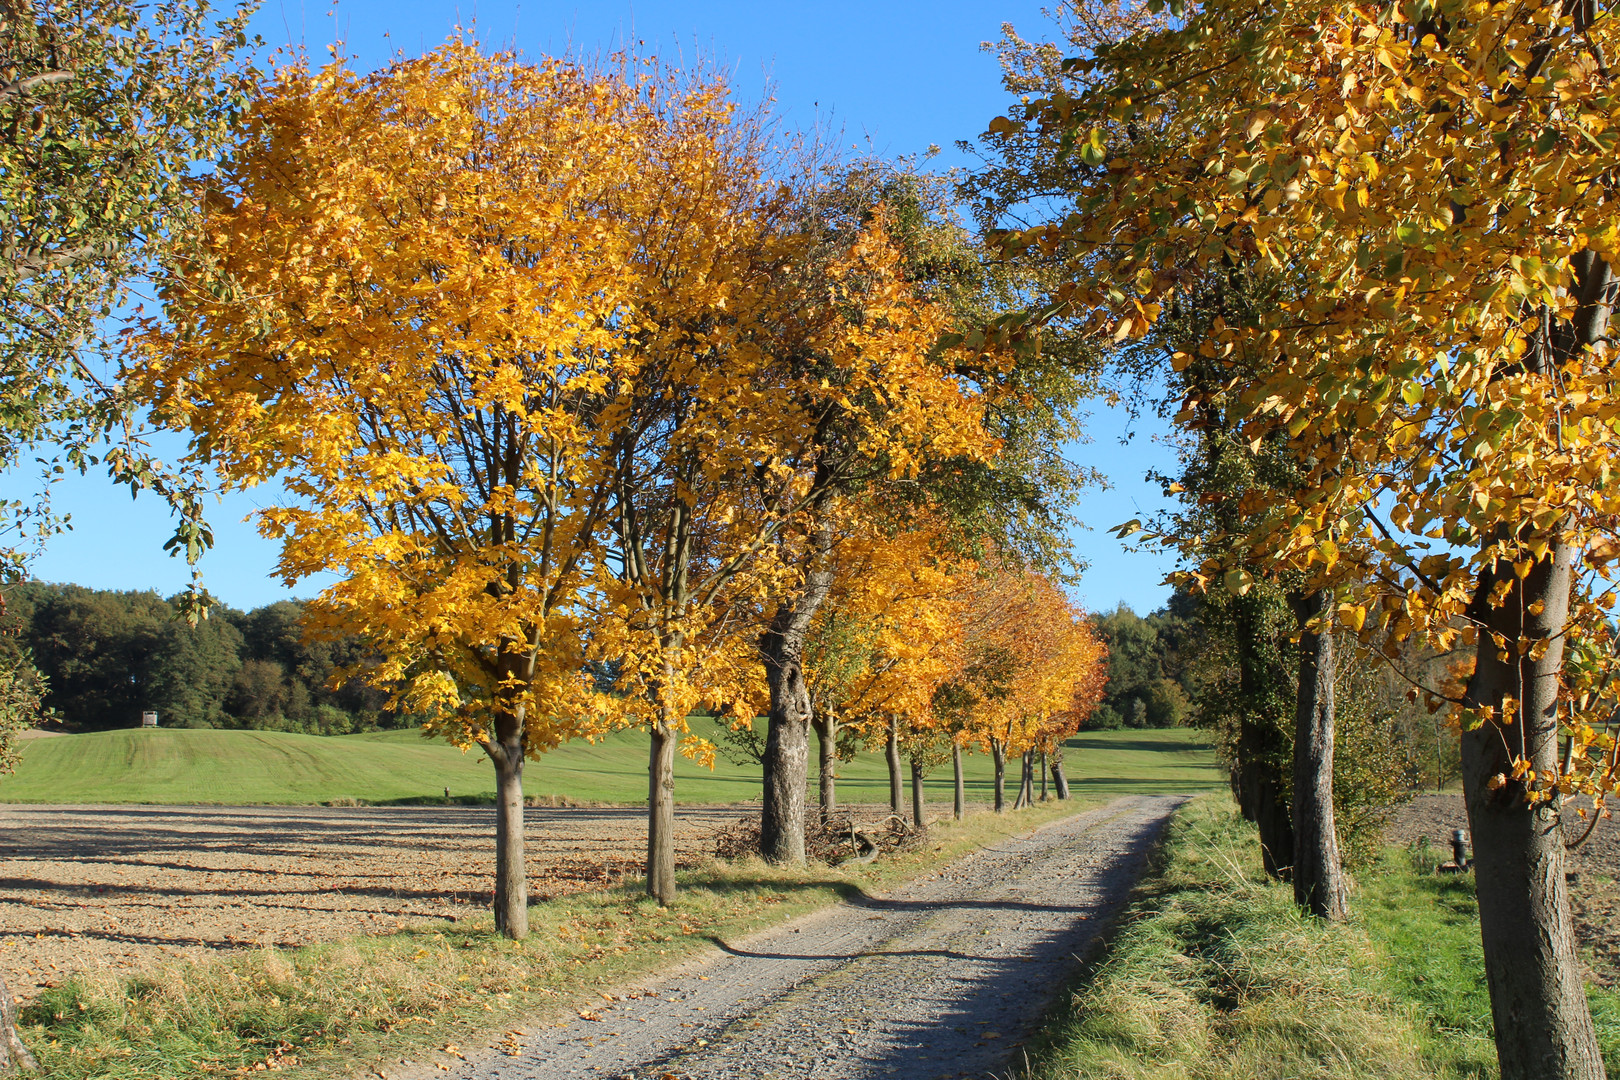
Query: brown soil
1593	889
97	888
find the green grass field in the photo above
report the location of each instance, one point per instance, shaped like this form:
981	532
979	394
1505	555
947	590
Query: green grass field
240	767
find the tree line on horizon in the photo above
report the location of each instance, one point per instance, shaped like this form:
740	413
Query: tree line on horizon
108	655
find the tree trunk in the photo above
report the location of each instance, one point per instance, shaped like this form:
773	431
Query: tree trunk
826	725
661	813
1538	998
1264	686
1319	884
891	753
916	793
1022	799
787	739
511	873
1271	817
1029	777
13	1054
1043	776
959	794
998	753
1058	779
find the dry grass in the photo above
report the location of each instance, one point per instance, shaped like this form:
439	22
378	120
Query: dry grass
334	1008
1214	974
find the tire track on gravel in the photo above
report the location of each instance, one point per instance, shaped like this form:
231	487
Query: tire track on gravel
946	977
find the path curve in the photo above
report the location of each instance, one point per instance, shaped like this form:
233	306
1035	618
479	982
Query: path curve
946	977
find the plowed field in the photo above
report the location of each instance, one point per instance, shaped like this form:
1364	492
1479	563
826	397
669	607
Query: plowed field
96	888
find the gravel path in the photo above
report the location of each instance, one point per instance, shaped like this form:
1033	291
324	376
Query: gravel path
944	978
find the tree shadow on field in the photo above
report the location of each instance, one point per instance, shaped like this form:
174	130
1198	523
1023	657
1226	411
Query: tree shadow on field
1144	746
93	832
120	937
256	896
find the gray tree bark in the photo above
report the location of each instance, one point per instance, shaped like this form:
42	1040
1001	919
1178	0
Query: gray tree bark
661	813
1061	781
1544	1029
511	876
891	753
959	788
1024	788
1319	884
787	750
998	754
506	752
13	1054
916	793
826	726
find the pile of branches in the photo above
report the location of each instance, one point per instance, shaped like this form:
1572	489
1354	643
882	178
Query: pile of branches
842	838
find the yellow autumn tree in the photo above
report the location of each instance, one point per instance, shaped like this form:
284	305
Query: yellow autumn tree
886	639
431	277
1033	670
888	400
1425	193
779	358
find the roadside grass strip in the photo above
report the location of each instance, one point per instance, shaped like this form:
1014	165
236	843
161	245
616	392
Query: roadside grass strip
1212	973
430	994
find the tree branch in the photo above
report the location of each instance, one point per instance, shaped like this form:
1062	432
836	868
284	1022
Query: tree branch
21	87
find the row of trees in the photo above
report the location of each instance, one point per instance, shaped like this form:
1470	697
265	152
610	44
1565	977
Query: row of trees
107	656
593	393
926	660
584	382
1369	250
1206	660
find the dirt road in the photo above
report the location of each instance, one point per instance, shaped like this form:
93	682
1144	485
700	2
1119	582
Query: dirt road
944	978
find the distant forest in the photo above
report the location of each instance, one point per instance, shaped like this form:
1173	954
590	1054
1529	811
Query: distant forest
1152	674
1180	666
111	655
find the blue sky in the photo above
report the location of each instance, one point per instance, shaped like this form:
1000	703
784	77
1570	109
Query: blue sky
894	77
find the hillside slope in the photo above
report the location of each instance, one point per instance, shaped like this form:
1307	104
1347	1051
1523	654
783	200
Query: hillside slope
238	767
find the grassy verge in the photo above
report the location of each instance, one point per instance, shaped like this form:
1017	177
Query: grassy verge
1426	928
364	1002
1214	974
